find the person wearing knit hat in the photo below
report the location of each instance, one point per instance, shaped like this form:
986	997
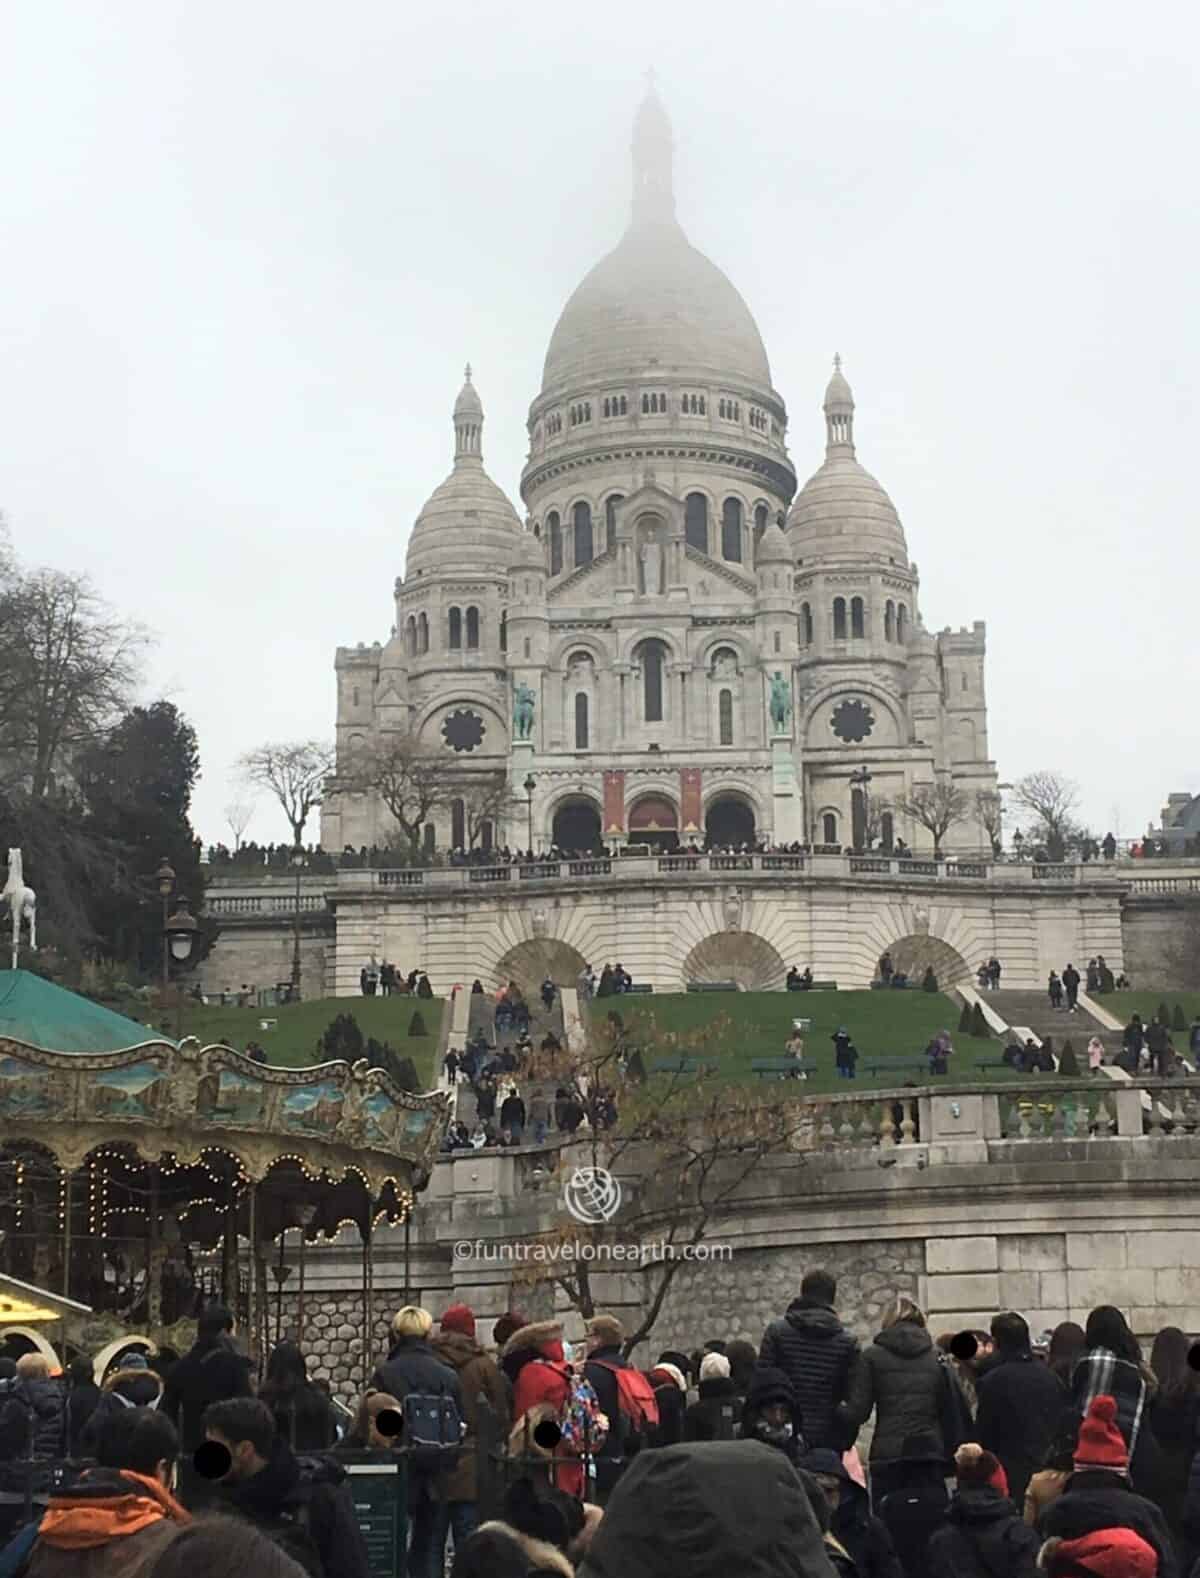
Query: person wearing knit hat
983	1534
1099	1498
713	1416
508	1324
1109	1553
478	1377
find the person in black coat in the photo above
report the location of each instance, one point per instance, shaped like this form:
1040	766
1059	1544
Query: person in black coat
983	1535
1020	1404
304	1505
133	1384
33	1426
1098	1494
770	1415
914	1503
605	1336
82	1396
818	1356
303	1413
714	1416
211	1371
851	1522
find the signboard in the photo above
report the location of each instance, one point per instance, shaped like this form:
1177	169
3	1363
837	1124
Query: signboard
377	1487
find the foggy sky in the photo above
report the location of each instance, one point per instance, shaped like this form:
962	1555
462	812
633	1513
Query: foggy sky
247	250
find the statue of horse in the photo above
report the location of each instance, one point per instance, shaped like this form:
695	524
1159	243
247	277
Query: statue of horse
22	904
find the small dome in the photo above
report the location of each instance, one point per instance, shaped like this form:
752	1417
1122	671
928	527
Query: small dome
468	523
772	548
842	513
838	395
528	554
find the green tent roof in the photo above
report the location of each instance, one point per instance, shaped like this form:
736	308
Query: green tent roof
47	1016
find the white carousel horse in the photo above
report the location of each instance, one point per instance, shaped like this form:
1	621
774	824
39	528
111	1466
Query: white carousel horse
21	901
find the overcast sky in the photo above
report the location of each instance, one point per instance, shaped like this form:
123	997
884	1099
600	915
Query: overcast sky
248	248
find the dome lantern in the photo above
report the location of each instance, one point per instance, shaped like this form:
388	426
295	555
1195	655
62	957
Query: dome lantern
653	161
468	423
839	413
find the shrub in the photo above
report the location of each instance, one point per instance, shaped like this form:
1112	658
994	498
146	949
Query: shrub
416	1025
343	1039
423	987
1164	1014
979	1025
1178	1022
1068	1063
930	981
964	1020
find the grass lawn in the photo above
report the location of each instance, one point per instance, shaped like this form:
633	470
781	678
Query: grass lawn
1122	1004
730	1029
292	1043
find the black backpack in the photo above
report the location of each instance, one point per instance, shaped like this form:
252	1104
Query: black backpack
433	1431
292	1532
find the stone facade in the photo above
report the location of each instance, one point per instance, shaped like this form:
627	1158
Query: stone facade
696	653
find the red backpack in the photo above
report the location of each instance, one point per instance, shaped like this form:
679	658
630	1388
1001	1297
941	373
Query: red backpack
635	1395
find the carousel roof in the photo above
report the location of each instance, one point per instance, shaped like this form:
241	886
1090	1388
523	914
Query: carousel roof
43	1015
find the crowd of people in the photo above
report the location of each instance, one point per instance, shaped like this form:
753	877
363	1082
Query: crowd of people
976	1454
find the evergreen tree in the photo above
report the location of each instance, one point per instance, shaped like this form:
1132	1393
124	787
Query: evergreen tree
964	1020
343	1040
979	1025
416	1025
1178	1022
1068	1063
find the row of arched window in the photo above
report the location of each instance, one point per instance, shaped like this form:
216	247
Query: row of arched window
695	526
581	413
616	405
554	423
463	630
454	628
850	622
729	410
694	405
654	404
583	535
758	419
696	529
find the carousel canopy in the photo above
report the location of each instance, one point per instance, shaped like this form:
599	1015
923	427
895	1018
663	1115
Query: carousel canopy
43	1015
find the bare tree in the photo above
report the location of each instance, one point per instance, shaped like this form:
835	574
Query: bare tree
989	813
295	773
238	816
410	779
1052	800
936	807
486	800
69	665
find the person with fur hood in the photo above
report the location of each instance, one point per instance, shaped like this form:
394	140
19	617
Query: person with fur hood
478	1378
541	1390
541	1534
1108	1553
132	1384
983	1536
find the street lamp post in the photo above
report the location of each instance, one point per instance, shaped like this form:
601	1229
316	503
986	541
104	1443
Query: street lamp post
298	863
529	786
165	876
179	936
860	780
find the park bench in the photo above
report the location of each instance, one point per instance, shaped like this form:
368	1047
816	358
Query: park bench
905	1065
817	986
781	1068
638	987
712	986
679	1065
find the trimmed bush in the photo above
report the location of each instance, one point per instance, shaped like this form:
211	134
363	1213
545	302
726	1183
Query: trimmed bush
930	981
1068	1063
343	1040
1164	1014
979	1025
423	989
1178	1022
964	1020
416	1025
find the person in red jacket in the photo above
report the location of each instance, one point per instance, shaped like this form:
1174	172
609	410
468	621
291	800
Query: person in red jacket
541	1388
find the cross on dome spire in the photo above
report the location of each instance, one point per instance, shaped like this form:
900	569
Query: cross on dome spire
653	157
468	424
839	413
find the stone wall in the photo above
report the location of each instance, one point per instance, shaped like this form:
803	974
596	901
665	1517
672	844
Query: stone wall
260	956
1152	929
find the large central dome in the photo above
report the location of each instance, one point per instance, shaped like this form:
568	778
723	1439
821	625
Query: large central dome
655	302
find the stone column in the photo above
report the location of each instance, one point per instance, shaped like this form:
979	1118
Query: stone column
786	797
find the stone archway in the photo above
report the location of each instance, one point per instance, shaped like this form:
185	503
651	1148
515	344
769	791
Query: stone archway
740	956
918	952
576	826
729	822
530	962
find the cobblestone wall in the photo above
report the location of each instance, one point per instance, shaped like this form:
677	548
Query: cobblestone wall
738	1298
333	1332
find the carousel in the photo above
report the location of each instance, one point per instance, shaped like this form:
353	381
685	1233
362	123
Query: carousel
140	1178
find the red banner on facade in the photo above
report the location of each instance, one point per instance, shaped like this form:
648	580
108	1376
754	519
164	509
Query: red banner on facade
691	805
614	802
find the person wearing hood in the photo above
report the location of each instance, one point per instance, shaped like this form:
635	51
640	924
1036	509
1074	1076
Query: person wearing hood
541	1389
708	1509
211	1371
902	1378
769	1414
132	1384
1109	1553
863	1536
82	1397
1021	1404
113	1520
303	1504
818	1356
983	1536
1098	1494
670	1393
478	1379
33	1431
303	1413
713	1416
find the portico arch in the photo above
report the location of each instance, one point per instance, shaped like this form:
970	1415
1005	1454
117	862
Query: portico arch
729	821
576	825
740	956
918	952
530	962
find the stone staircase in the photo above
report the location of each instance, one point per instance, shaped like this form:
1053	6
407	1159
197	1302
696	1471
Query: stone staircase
1030	1014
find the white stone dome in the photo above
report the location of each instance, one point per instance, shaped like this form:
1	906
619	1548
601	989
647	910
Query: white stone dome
468	524
772	548
655	303
527	554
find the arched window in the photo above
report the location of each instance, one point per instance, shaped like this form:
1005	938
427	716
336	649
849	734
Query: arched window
829	828
725	717
430	840
410	636
889	621
652	655
504	630
581	721
472	628
731	530
487	836
761	515
695	521
887	832
422	633
778	642
583	534
806	624
610	521
857	623
902	624
554	527
454	629
839	619
458	824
